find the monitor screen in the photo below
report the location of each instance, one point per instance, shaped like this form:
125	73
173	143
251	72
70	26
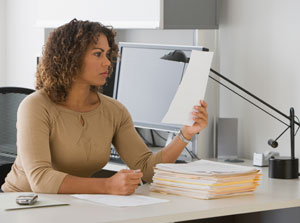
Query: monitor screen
146	84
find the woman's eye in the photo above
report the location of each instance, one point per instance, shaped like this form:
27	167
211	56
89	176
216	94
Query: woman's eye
97	54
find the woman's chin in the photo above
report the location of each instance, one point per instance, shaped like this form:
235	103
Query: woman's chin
100	83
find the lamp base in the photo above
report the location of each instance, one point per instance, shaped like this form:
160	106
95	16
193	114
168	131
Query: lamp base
283	168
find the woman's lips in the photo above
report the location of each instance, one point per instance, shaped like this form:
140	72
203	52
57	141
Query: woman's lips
105	74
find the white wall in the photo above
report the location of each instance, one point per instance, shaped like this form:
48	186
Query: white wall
207	147
24	42
260	50
2	42
118	13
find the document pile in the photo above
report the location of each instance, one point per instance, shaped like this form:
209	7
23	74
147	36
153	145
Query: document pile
205	179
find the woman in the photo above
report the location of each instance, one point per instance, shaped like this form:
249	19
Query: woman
65	129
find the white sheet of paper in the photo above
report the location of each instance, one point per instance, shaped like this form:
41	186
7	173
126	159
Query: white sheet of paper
120	201
206	167
191	89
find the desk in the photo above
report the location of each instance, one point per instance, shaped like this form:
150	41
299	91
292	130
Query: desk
272	194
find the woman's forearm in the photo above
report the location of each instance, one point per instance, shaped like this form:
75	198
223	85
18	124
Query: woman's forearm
81	185
173	150
124	182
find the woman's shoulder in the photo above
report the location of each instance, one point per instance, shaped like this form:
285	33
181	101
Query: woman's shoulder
111	102
37	99
113	107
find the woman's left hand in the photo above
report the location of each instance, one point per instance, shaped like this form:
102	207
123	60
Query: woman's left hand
200	117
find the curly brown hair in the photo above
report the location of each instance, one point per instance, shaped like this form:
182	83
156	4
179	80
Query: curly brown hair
63	54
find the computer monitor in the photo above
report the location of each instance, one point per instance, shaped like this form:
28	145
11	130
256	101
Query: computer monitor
146	84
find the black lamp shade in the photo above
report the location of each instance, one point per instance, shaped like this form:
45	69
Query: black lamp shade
176	55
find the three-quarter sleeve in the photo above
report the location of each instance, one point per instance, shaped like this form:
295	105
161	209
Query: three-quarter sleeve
33	133
132	148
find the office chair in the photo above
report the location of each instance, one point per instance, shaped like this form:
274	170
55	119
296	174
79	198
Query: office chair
10	98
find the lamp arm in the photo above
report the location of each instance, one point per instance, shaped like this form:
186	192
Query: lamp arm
246	99
253	96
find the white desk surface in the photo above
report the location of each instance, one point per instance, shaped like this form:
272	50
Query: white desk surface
271	194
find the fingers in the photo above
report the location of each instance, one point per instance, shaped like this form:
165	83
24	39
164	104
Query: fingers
132	180
125	182
200	117
200	112
125	171
203	104
133	174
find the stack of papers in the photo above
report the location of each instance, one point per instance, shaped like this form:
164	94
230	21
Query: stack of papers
205	179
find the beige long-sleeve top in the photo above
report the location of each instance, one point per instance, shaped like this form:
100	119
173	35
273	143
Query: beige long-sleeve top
52	142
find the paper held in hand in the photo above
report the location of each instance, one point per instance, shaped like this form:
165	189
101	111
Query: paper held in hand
191	89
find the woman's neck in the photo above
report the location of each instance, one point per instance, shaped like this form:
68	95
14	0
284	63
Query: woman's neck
81	99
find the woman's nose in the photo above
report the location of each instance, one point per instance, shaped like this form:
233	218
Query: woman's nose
106	62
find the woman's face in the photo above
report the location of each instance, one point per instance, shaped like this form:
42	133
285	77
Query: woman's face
96	63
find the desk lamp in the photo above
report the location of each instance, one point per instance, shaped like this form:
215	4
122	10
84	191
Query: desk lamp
279	167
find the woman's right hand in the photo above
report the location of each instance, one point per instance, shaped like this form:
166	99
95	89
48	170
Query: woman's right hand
124	182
